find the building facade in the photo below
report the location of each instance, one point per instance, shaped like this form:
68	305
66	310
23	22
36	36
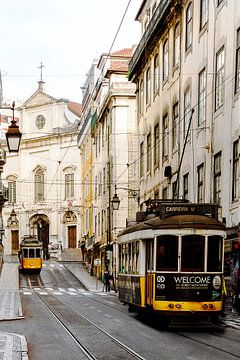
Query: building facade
43	179
187	70
114	147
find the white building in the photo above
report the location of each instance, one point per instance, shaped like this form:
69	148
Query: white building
44	177
187	71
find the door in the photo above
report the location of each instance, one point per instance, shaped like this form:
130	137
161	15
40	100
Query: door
72	237
149	271
15	240
43	233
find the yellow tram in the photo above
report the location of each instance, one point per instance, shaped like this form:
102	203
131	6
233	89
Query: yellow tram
30	254
171	260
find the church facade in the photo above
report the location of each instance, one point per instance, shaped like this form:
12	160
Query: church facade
42	178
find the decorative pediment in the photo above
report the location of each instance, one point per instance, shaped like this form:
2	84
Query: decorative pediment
37	99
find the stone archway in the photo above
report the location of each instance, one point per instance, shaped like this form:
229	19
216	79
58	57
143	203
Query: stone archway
39	224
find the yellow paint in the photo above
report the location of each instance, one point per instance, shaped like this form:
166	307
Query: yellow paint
191	306
32	263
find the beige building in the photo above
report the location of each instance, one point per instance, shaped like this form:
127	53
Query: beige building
187	71
114	147
43	179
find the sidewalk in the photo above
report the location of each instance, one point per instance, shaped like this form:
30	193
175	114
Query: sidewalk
13	346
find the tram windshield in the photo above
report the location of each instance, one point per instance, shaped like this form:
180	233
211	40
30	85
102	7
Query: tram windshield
167	253
193	253
214	259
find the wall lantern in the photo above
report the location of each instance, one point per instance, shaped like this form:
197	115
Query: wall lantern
13	135
13	217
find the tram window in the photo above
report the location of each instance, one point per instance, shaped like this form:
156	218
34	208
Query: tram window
167	253
31	253
25	253
38	253
193	253
214	258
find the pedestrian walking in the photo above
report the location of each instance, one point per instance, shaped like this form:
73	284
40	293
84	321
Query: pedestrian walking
106	281
112	283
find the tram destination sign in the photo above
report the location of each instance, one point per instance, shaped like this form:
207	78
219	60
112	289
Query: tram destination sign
171	209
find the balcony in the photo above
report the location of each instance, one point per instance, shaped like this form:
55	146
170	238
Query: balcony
151	35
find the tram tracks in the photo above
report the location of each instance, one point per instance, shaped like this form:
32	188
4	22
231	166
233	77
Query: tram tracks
220	347
96	343
92	340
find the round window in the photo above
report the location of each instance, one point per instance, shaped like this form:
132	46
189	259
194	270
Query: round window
40	121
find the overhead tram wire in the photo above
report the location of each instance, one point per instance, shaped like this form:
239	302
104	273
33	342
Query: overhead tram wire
92	93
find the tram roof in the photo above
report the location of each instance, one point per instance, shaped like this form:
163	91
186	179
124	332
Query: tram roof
175	222
30	241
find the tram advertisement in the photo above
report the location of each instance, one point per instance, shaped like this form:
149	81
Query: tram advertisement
129	289
193	287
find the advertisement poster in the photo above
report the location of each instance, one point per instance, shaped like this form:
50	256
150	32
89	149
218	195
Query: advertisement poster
182	287
129	289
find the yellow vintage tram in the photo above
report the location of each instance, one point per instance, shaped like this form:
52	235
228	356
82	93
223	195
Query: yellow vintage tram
30	254
171	260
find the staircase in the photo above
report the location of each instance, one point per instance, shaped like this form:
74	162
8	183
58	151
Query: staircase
69	255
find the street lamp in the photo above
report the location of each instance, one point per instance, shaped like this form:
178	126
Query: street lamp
115	199
13	135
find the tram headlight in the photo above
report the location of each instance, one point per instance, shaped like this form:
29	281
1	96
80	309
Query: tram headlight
171	306
204	306
178	306
210	306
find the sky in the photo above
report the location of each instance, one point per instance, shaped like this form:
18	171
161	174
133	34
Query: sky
65	35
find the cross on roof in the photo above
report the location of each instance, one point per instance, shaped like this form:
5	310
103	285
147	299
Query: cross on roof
41	67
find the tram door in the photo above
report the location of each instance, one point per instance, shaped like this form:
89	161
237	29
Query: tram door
149	271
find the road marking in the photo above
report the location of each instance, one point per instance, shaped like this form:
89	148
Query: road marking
48	288
27	293
57	293
71	293
43	293
108	316
117	320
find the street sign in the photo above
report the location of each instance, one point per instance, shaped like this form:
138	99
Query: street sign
97	262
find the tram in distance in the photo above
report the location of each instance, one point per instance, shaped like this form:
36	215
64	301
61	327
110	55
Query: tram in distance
30	254
171	261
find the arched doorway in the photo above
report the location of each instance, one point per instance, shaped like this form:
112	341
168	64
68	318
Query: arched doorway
40	227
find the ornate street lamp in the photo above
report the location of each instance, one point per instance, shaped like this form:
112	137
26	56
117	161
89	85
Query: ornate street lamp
115	200
13	134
